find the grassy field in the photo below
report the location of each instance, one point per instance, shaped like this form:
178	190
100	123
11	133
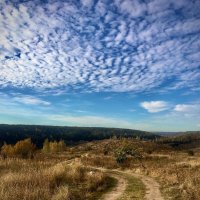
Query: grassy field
69	174
50	179
177	171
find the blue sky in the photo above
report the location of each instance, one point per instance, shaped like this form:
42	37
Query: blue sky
121	63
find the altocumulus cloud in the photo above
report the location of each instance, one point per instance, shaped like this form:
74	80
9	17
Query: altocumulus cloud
100	45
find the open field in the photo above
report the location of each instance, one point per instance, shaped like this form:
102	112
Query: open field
99	99
25	179
92	170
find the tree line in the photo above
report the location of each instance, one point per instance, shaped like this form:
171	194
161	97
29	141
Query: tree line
13	133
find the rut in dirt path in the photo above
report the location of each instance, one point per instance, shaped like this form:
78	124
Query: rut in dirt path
118	190
152	186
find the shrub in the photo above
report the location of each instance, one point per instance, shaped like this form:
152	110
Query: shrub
46	146
53	147
120	156
23	149
7	150
190	153
126	150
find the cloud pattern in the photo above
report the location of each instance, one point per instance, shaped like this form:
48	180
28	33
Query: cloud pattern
118	46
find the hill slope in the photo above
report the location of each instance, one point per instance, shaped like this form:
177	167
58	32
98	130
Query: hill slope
13	133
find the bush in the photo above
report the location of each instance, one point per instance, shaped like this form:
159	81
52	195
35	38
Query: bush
190	153
120	156
53	147
7	150
23	149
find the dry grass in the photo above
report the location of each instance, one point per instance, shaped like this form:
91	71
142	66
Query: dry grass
177	172
33	180
180	180
99	161
48	177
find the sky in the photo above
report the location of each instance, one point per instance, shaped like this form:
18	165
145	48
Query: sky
112	63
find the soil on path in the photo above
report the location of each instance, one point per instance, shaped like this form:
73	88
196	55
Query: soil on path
152	187
118	190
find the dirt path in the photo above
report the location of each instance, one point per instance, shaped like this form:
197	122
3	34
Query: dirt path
117	191
152	186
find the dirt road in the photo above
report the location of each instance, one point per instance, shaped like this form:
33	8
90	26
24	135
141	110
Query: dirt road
152	186
117	191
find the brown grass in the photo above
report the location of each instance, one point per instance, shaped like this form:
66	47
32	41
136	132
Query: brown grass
48	177
33	180
99	161
177	172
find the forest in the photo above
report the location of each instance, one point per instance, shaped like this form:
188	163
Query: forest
13	133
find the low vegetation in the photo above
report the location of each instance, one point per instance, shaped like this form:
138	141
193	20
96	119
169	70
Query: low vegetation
33	180
53	147
22	149
177	170
57	171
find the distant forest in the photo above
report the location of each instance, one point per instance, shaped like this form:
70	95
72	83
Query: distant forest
13	133
190	139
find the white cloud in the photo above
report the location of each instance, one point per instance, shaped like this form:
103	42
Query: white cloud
30	100
155	106
97	121
65	45
134	8
184	108
188	109
87	3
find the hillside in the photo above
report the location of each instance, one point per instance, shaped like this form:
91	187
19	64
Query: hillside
13	133
185	140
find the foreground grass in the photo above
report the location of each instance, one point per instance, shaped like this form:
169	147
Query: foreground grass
33	180
44	178
110	184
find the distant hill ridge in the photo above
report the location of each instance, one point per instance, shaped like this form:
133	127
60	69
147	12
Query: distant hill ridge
184	140
13	133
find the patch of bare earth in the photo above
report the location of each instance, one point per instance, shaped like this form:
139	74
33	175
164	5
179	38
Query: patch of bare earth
152	187
117	191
